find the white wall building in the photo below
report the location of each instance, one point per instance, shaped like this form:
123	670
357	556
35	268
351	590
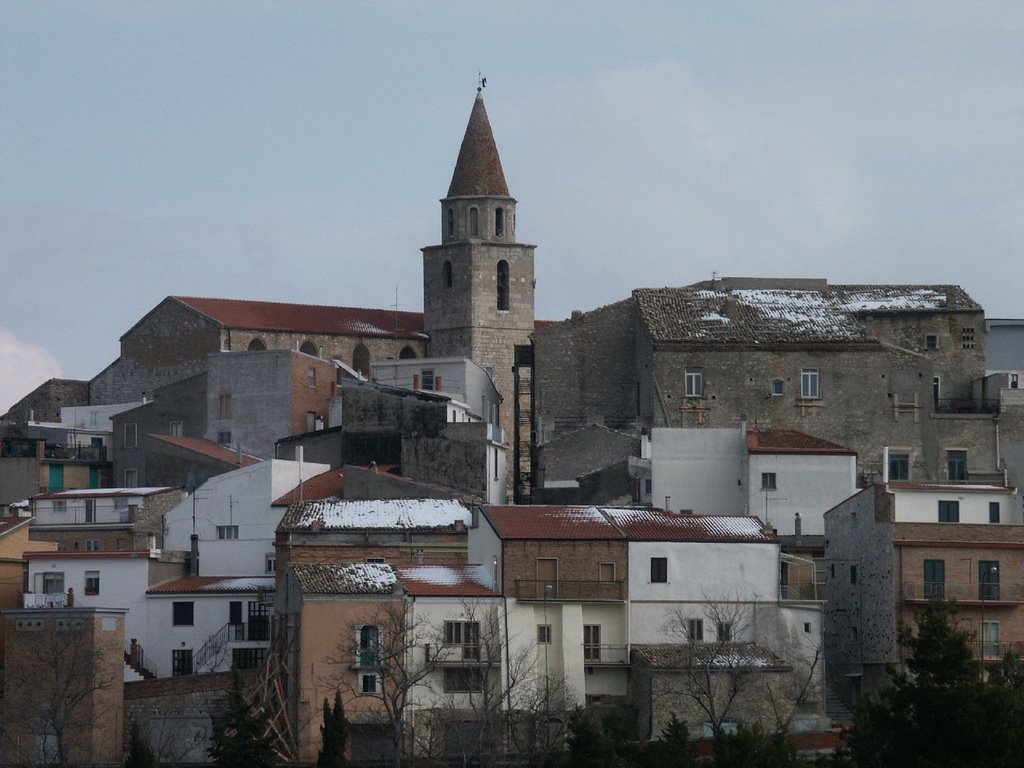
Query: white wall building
234	516
470	386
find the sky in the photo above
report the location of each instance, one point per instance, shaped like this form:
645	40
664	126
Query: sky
296	151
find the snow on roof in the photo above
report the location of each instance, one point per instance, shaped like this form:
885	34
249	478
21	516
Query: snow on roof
441	580
350	579
215	584
401	514
659	525
826	313
550	522
710	656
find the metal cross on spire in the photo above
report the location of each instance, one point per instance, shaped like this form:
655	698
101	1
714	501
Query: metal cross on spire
481	82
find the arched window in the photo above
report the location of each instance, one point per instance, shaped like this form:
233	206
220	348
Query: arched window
451	222
502	284
407	353
474	222
308	348
499	222
446	274
256	344
361	359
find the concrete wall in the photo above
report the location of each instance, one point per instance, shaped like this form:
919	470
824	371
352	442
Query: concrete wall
808	485
923	506
571	454
702	470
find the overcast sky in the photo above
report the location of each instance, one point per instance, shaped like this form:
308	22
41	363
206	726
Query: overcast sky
296	151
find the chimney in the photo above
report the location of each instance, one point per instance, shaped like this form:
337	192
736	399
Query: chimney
193	561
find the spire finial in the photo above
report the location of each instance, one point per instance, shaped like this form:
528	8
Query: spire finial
481	82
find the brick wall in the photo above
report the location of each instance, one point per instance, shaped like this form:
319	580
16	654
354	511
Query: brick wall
577	560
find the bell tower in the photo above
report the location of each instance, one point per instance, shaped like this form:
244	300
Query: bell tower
478	284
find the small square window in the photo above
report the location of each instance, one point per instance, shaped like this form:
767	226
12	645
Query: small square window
931	341
778	388
131	478
949	511
224	438
768	481
695	630
807	627
543	634
227	531
899	466
659	570
182	613
367	683
176	428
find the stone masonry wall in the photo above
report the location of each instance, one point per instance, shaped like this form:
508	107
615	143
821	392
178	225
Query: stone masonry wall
577	560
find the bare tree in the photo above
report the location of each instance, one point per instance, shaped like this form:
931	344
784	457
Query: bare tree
387	650
56	678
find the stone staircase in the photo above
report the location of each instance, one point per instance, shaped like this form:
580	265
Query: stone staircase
835	709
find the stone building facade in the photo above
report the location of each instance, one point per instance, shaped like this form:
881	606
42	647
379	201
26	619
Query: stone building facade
863	366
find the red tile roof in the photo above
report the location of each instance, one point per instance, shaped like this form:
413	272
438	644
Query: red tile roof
326	485
542	522
308	318
952	487
215	584
658	525
208	448
447	580
790	441
8	524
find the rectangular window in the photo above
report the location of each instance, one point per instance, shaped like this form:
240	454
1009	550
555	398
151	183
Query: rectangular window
181	613
60	507
591	642
465	634
181	662
988	579
90	510
993	511
935	579
224	437
606	571
367	682
694	382
53	582
92	582
92	545
227	531
543	634
809	389
991	648
768	481
659	570
271	562
176	428
899	466
367	645
463	679
224	407
725	632
778	388
131	478
695	630
853	574
427	379
131	435
247	658
956	466
949	511
310	421
931	341
311	377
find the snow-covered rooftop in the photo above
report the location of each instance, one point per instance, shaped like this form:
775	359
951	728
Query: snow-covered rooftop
351	579
377	514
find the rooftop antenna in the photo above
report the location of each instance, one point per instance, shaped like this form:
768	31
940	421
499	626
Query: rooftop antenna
395	305
481	82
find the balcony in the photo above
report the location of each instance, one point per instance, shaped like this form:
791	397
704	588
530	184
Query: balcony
569	591
995	650
462	654
966	405
963	592
45	600
806	592
605	655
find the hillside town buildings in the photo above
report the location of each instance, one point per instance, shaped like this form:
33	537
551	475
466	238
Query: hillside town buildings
738	489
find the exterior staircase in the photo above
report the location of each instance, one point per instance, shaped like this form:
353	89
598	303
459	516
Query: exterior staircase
135	664
835	709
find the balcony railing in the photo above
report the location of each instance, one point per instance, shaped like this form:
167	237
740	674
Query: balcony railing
538	589
45	600
966	405
802	591
605	654
462	654
994	650
963	592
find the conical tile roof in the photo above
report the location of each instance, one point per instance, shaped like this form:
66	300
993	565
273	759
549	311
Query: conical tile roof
478	170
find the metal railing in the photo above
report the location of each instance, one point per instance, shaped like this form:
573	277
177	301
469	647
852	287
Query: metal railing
802	591
963	591
966	405
539	589
605	654
994	650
